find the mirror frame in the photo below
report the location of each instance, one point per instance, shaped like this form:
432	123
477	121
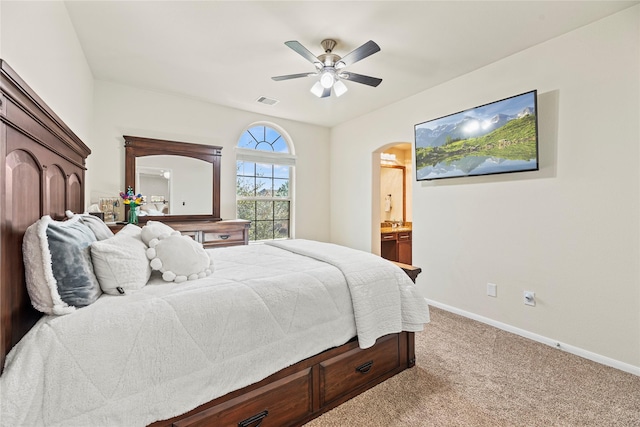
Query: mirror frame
136	146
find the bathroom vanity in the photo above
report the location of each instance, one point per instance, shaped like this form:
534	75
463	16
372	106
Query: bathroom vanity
395	243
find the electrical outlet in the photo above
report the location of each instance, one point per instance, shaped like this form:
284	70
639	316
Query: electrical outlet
530	298
492	289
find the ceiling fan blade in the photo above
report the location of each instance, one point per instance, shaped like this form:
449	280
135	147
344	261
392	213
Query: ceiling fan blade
359	78
304	52
293	76
367	49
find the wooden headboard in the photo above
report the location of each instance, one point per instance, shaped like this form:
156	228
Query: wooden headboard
43	174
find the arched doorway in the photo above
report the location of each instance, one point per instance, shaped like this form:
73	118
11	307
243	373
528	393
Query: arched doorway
391	210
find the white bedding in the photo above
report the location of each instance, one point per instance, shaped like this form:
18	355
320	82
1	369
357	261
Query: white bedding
167	348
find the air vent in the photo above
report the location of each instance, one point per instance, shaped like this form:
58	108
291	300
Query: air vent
267	101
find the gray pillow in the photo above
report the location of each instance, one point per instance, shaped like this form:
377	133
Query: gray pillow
58	268
98	226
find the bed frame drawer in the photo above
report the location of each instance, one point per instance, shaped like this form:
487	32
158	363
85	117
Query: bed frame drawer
273	405
357	368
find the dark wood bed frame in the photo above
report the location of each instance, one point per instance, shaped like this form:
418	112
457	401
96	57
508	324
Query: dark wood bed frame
44	174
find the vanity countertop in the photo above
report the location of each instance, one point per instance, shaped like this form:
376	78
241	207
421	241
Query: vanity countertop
404	228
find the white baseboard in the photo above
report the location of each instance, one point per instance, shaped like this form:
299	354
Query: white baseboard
626	367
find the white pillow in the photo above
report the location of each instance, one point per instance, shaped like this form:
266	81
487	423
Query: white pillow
179	258
155	230
58	268
120	262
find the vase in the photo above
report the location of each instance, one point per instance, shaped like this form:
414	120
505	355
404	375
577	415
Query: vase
133	215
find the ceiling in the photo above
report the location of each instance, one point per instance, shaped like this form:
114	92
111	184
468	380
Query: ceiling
225	52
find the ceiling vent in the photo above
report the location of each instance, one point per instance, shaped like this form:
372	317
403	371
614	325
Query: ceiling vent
267	101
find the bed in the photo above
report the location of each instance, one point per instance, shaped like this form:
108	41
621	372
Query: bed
314	361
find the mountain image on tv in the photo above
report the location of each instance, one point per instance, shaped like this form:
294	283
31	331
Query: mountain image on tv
494	138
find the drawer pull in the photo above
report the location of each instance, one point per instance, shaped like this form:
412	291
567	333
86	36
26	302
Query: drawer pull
224	236
365	367
388	237
257	418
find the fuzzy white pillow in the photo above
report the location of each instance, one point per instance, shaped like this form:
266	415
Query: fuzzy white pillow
58	268
179	258
120	262
156	230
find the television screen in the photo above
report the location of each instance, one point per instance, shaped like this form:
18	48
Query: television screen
498	137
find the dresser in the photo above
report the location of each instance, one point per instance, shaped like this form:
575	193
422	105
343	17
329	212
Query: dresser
211	234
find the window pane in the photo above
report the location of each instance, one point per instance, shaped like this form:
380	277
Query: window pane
252	232
245	168
271	134
264	146
264	187
264	170
245	186
247	140
281	230
281	210
282	187
264	210
264	230
281	171
246	209
280	146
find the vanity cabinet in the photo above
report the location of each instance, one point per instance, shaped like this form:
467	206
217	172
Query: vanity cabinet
396	246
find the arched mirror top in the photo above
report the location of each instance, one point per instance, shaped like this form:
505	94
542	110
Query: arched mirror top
207	186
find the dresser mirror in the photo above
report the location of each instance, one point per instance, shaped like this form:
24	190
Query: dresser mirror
180	181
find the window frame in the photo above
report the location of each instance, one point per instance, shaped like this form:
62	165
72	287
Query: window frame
257	156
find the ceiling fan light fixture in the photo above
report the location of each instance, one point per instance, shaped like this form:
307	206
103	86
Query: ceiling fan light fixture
327	78
339	88
330	67
317	89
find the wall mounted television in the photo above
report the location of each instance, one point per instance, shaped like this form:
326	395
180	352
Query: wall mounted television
499	137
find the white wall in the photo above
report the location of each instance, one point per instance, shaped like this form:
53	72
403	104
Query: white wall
122	110
39	42
569	232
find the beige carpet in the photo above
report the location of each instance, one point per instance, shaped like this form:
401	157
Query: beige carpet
471	374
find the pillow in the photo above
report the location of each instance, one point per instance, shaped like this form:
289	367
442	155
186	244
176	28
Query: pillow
58	268
120	262
179	258
99	228
155	230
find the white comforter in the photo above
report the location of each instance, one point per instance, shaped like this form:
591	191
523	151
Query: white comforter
160	352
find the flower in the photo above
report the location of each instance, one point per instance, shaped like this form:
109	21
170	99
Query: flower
131	199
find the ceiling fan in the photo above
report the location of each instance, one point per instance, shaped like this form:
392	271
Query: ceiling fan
330	67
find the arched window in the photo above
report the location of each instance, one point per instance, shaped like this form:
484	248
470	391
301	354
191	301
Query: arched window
265	163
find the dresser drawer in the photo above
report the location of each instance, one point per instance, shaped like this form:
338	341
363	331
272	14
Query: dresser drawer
226	238
270	406
193	234
357	367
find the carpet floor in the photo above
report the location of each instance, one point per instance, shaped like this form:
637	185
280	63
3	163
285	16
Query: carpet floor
471	374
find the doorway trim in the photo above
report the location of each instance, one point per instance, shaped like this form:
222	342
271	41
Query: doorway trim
375	193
